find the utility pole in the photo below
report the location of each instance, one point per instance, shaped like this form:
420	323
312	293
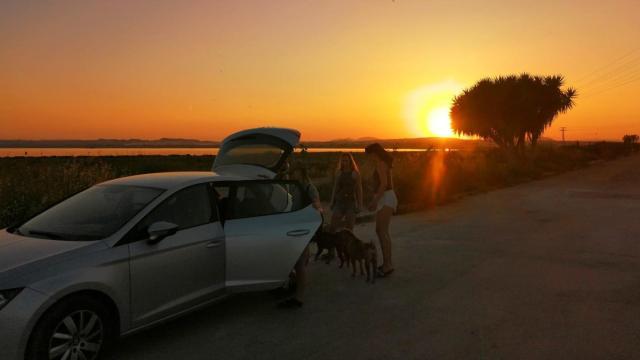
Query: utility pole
562	130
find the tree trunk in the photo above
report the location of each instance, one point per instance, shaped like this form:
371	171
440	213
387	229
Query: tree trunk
521	143
534	140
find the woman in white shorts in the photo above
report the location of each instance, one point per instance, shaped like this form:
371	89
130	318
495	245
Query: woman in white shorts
384	203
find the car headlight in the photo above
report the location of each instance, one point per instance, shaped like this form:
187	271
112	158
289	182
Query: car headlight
8	295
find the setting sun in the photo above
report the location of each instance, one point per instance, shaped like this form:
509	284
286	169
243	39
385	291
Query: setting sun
439	123
426	109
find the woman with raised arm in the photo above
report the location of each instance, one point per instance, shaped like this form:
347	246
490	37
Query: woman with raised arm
346	198
384	202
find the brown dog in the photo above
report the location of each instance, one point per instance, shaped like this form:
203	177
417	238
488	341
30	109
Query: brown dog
355	251
341	240
324	240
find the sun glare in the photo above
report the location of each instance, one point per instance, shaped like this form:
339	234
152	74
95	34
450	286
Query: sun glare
439	123
426	109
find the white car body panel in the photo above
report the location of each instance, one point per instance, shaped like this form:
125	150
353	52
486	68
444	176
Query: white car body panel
261	251
195	256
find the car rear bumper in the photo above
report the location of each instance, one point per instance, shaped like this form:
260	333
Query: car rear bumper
16	322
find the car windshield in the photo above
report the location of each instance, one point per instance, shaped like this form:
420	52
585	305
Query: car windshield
92	214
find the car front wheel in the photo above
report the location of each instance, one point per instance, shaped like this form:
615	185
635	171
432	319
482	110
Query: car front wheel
79	327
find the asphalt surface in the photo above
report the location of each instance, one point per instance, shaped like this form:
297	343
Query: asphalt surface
544	270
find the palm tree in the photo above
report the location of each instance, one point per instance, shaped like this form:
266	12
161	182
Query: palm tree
511	110
552	101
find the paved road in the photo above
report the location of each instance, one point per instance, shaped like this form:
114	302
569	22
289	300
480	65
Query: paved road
549	269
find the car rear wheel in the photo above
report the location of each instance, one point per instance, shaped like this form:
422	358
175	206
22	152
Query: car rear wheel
76	328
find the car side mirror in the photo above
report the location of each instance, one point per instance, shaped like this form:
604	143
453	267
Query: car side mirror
160	230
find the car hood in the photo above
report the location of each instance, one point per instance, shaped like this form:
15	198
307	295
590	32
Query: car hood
20	255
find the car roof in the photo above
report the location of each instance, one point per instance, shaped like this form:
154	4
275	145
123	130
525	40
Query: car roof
171	180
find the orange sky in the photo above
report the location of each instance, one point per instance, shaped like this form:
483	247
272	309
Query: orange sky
331	68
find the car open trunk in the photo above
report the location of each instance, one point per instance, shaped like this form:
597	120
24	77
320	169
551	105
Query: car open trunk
259	152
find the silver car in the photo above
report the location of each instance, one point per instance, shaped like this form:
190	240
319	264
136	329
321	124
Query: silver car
129	253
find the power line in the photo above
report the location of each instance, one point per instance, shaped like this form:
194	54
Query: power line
614	73
621	71
607	87
613	86
617	79
613	62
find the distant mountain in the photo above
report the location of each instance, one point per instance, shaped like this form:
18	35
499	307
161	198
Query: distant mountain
411	143
109	143
364	138
367	138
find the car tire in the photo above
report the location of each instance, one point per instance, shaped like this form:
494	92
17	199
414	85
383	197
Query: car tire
76	324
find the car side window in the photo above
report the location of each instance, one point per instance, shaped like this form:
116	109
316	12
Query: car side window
261	198
222	196
186	208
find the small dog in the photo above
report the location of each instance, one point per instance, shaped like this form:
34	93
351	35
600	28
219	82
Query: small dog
355	251
324	240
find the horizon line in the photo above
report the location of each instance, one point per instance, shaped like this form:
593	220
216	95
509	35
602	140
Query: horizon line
361	139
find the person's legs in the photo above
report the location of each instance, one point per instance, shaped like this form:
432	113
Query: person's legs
301	282
301	275
383	218
336	220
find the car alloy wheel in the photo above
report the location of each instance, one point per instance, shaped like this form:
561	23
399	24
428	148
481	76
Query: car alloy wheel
78	336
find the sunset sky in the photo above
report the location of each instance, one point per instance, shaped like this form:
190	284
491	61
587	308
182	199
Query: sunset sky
330	68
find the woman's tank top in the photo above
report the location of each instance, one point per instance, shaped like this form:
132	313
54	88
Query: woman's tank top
345	187
376	180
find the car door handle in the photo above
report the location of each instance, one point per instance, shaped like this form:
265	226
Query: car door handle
300	232
213	244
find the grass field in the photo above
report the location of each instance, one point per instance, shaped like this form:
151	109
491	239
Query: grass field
422	179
